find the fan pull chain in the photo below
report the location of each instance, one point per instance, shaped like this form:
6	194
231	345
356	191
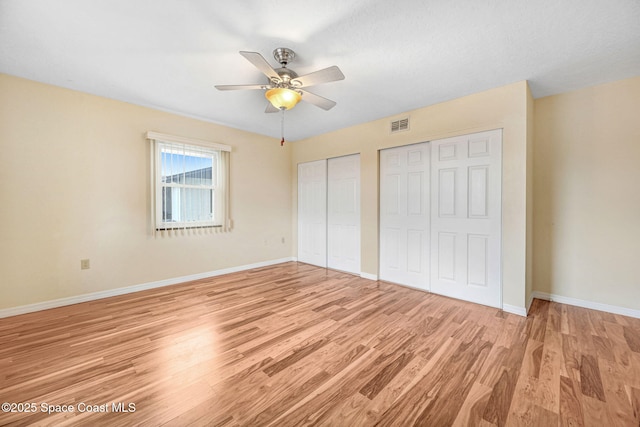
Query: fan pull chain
282	128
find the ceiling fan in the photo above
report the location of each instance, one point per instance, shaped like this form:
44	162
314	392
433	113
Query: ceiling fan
285	88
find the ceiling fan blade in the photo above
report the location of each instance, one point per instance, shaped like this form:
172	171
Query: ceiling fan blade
325	75
271	109
317	100
240	87
261	64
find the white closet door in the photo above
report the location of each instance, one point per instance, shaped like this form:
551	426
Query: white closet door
466	176
343	200
404	215
312	213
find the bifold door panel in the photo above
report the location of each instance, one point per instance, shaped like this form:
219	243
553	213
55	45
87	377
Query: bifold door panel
466	212
329	213
343	208
312	213
404	215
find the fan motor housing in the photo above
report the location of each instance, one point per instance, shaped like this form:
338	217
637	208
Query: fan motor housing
286	74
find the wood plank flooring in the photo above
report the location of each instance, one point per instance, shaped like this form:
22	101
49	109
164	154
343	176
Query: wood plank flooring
293	344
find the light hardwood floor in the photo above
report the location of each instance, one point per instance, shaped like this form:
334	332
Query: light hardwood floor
293	344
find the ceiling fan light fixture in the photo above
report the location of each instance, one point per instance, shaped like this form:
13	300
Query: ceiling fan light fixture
283	98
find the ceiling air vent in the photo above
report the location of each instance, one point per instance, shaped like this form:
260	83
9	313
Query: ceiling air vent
400	125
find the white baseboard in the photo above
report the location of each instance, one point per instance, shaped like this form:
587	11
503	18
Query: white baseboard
587	304
514	309
45	305
530	301
368	276
520	311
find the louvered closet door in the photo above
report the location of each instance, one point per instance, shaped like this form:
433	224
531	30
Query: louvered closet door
404	215
466	176
343	206
312	213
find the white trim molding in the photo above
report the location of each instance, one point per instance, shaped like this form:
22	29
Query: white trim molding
514	309
587	304
368	276
45	305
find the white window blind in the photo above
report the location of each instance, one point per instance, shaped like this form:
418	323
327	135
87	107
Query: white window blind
190	180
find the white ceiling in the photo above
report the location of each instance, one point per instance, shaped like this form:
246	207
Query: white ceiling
396	55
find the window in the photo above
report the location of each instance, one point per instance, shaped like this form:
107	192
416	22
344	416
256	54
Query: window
189	183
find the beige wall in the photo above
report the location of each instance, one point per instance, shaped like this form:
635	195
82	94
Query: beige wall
505	107
587	194
74	183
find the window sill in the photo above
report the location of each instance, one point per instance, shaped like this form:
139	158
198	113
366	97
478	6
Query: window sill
189	227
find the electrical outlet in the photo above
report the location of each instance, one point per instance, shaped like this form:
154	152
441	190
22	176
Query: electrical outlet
85	264
283	240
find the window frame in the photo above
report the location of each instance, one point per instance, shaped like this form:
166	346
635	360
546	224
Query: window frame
219	153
